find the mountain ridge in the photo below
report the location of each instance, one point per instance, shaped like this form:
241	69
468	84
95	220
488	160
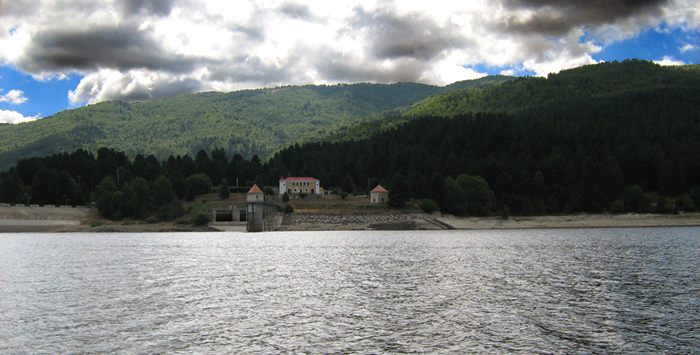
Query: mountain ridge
250	122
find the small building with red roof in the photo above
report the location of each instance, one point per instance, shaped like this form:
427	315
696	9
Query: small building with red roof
297	185
255	195
379	195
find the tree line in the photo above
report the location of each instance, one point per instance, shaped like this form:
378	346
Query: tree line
614	137
120	186
633	153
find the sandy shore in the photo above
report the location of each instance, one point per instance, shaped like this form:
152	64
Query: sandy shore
576	221
451	222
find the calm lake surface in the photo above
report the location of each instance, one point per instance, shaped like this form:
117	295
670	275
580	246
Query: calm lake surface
569	291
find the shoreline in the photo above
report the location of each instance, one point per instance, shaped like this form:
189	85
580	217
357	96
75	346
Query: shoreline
535	222
359	222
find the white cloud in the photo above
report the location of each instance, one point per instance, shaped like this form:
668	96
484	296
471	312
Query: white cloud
15	117
668	60
140	50
15	97
687	48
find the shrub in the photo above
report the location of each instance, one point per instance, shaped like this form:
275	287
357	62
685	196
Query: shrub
182	220
687	204
151	220
199	215
428	206
171	210
201	219
505	212
288	209
343	194
617	206
303	195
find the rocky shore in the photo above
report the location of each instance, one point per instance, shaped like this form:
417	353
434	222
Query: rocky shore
21	219
357	217
355	221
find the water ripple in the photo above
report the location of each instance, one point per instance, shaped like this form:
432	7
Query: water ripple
598	291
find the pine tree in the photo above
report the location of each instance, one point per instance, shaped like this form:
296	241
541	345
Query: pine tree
224	192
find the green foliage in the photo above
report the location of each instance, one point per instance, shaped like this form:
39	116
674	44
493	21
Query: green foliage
399	191
288	209
428	206
593	139
480	199
454	198
10	185
617	206
163	191
468	195
269	191
343	194
171	210
152	220
224	192
635	200
104	197
199	215
201	183
249	121
182	220
569	143
303	195
189	193
347	184
505	212
687	204
285	197
665	205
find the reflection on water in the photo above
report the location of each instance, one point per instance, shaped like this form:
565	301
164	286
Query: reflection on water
441	292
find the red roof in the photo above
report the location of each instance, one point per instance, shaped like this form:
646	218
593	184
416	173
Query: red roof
299	179
255	190
379	188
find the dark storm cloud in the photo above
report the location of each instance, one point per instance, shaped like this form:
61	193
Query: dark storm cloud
334	65
557	17
123	47
407	36
297	11
151	7
250	68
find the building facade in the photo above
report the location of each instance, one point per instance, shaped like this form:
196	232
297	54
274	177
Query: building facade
297	185
379	195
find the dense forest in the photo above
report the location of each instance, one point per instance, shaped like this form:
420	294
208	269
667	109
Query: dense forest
249	122
123	187
614	137
608	137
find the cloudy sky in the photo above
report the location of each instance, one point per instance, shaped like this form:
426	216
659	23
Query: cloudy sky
60	54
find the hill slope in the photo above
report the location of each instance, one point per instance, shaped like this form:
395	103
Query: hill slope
246	122
606	137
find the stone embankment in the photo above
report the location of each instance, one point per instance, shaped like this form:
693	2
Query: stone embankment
357	217
48	212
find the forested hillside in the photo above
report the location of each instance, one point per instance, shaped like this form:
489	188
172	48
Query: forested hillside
612	137
249	122
609	137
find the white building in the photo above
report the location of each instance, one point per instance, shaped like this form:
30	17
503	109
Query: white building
297	185
379	195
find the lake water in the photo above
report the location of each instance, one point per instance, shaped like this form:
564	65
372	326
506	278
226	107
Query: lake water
569	291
